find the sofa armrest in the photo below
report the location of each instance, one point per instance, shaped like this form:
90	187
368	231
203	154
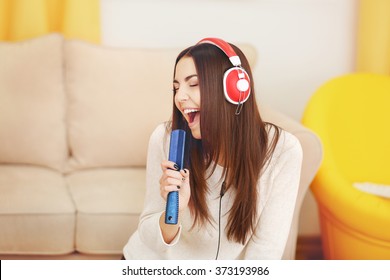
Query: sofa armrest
312	157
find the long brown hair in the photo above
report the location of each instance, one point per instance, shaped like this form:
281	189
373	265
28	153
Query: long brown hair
239	142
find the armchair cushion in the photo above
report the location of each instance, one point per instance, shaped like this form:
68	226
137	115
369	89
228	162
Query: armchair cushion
372	188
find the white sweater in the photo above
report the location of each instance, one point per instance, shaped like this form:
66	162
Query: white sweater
278	187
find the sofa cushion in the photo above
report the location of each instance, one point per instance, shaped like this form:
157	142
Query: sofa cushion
116	98
380	190
32	102
37	214
109	202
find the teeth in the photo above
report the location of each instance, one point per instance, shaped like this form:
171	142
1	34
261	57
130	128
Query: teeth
187	111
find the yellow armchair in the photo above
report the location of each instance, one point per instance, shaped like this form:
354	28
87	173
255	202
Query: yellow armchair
351	115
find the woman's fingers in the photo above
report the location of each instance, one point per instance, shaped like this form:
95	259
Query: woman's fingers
185	174
164	190
173	174
166	164
170	181
174	179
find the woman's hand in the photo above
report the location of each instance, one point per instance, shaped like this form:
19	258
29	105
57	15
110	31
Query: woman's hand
174	180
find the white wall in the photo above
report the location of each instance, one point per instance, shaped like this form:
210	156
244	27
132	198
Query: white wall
301	43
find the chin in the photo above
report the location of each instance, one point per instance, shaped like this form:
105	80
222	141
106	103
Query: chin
196	134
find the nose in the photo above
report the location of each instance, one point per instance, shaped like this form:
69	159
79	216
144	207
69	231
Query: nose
181	95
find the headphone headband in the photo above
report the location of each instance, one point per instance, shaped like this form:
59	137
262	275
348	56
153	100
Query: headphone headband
225	47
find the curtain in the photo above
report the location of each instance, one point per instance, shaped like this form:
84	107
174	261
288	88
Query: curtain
24	19
373	37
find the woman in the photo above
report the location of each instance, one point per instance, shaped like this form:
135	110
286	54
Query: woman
237	193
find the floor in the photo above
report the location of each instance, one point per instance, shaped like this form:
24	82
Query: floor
309	248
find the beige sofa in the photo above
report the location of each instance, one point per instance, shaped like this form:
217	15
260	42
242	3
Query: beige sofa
75	119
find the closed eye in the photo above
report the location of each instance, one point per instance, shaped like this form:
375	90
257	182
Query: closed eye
175	87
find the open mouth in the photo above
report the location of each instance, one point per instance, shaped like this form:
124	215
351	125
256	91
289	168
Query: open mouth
191	113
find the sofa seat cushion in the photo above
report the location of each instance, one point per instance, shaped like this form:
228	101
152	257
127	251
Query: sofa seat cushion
37	214
109	202
32	102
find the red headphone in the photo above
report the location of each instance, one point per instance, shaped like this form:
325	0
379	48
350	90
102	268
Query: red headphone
236	81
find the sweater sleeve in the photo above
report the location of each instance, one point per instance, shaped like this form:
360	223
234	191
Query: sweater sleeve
154	205
275	219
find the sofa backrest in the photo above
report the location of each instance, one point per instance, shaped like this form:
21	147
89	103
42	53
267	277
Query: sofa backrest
116	97
32	103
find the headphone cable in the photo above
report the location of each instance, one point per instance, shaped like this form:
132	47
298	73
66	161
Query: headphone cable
221	194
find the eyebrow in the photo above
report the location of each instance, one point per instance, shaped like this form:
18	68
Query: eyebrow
186	78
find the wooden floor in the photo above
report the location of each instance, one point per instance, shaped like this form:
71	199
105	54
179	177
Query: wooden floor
309	248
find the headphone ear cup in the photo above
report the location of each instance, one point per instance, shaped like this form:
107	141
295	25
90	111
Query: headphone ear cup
236	85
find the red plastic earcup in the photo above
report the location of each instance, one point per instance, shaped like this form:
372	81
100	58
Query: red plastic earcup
236	85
